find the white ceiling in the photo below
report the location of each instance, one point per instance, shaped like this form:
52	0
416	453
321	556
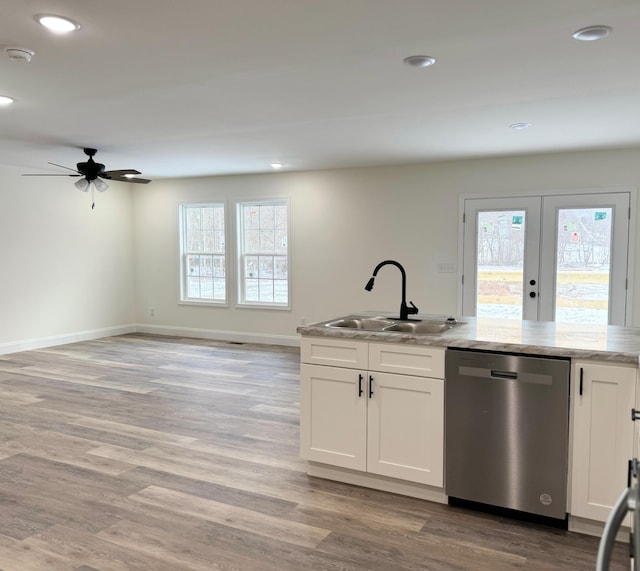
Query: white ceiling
204	87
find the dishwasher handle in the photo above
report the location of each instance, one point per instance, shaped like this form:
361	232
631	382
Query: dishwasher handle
512	375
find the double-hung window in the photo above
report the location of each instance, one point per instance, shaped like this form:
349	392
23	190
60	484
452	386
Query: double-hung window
263	253
202	250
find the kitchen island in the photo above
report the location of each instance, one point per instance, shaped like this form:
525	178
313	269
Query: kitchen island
393	440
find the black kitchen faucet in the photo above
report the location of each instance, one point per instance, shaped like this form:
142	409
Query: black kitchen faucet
405	311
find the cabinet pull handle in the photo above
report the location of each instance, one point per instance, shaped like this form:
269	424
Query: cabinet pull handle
581	379
360	379
370	386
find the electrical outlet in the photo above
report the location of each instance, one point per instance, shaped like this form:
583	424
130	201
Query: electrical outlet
152	312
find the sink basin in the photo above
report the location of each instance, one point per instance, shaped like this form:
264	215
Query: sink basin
366	323
424	327
391	325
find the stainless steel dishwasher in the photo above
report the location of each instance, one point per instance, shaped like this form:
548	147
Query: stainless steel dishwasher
507	430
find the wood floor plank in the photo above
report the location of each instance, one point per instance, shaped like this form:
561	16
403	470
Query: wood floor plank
256	455
130	430
268	526
88	380
217	470
76	549
177	552
16	398
26	559
260	503
59	447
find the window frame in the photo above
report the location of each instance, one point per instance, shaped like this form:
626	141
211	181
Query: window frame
240	291
184	299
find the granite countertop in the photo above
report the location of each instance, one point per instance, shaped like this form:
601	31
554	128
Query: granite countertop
583	341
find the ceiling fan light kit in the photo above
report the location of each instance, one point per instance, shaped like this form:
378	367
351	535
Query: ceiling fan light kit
82	184
100	185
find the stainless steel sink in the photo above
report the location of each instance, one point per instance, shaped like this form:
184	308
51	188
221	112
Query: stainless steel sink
366	323
391	325
424	327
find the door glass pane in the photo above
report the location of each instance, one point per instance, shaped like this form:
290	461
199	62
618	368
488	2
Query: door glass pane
500	263
583	254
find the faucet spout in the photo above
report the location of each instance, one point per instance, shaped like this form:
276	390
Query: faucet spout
405	310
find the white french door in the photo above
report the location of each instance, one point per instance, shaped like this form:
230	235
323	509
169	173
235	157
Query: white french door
549	258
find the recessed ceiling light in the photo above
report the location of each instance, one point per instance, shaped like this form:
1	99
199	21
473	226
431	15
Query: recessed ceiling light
4	100
57	24
519	126
277	165
419	61
591	33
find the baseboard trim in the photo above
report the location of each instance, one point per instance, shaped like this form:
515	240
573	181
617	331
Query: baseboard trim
220	335
590	527
366	480
65	339
216	335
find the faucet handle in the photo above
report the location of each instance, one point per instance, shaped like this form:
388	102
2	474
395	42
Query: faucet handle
413	309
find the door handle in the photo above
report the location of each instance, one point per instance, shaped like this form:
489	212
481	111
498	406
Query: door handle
370	386
360	379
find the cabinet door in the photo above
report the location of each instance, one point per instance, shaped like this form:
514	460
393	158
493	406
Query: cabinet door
602	437
406	428
333	416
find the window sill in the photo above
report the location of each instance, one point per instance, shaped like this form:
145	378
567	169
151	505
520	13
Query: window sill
204	302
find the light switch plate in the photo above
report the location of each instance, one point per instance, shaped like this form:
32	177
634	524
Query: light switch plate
446	268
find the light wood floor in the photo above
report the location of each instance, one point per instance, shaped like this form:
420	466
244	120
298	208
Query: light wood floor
156	453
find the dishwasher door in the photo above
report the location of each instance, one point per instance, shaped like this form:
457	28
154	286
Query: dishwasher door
507	430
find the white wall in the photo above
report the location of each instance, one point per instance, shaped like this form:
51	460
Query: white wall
70	272
67	271
343	222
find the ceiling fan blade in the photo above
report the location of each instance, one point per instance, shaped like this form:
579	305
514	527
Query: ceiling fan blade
129	179
111	174
49	174
63	167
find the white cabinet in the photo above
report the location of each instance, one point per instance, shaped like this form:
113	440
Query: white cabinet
333	419
405	435
368	414
603	433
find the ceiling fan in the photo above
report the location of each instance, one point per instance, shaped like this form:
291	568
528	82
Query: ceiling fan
93	175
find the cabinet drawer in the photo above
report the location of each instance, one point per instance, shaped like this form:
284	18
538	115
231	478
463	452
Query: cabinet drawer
334	352
407	359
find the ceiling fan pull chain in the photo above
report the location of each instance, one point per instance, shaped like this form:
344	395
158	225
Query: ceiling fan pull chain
93	200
